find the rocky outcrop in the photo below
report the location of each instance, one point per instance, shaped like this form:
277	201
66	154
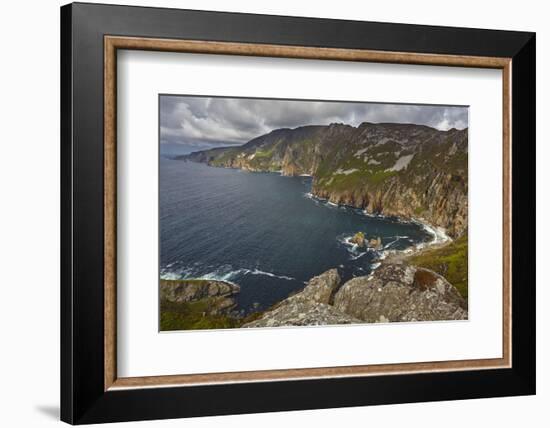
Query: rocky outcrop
400	292
296	314
439	198
195	289
358	239
375	243
311	306
393	293
410	171
217	295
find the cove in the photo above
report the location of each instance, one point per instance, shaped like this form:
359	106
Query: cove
263	232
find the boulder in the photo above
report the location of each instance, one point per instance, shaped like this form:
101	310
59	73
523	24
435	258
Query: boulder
375	243
320	289
400	292
311	306
358	239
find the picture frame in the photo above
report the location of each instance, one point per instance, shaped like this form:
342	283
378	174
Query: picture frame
91	35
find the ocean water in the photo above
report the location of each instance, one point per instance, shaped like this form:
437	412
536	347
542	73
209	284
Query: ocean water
263	231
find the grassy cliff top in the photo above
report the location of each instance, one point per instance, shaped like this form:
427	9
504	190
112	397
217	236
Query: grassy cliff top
450	261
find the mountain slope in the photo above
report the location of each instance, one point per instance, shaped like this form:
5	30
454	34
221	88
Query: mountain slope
411	171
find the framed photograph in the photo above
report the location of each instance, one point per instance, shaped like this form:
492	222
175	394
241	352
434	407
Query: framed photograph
266	213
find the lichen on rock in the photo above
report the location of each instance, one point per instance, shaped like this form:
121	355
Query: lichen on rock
393	293
188	290
311	306
401	292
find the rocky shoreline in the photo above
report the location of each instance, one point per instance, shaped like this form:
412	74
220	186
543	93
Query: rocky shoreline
393	293
197	304
392	169
412	172
396	291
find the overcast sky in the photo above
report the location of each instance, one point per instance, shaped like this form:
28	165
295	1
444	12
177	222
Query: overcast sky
200	120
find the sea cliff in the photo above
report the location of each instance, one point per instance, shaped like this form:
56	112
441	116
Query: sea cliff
410	171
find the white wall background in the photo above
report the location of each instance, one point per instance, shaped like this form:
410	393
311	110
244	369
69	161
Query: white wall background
29	213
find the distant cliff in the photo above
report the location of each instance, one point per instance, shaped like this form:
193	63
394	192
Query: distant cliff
411	171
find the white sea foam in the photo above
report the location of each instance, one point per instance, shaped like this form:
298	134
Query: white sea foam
326	202
170	276
438	233
272	275
223	273
174	274
389	244
353	249
372	215
358	256
397	239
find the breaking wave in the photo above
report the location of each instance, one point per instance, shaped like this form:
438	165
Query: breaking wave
223	273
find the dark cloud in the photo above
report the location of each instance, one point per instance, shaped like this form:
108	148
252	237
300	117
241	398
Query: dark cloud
206	120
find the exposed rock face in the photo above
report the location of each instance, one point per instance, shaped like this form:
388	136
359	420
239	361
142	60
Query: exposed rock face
440	198
399	292
309	307
375	243
195	289
297	314
217	294
394	293
319	289
358	239
392	169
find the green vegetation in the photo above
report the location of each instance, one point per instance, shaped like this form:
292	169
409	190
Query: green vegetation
380	176
223	157
196	316
193	316
450	261
418	211
263	154
356	180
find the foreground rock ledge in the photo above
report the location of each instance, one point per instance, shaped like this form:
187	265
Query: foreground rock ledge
393	293
188	290
400	292
217	295
311	306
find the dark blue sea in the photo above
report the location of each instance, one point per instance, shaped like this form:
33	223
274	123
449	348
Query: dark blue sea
262	231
